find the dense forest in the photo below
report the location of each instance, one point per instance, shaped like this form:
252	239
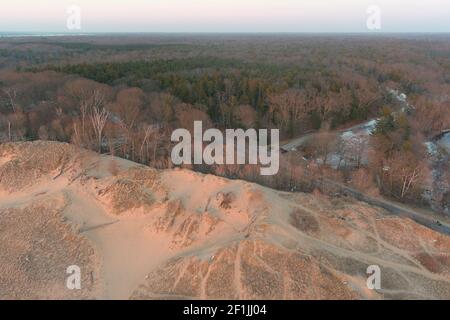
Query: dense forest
124	95
220	86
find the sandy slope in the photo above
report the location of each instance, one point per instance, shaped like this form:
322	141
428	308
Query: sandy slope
140	233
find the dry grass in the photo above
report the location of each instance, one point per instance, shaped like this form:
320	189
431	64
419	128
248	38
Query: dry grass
36	248
304	221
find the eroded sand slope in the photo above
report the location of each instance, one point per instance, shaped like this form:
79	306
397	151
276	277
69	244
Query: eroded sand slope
140	233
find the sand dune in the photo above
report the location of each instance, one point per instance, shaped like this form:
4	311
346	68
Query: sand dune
140	233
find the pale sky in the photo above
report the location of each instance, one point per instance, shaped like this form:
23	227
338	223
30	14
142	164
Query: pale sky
225	15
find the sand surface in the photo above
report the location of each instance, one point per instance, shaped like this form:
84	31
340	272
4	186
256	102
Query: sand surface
140	233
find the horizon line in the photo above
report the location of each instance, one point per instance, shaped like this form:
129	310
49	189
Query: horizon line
220	32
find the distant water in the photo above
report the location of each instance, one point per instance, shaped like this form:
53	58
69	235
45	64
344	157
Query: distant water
38	34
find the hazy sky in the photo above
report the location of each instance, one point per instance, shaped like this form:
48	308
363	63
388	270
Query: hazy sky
225	15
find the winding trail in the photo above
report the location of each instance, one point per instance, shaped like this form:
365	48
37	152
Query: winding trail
432	221
297	142
442	225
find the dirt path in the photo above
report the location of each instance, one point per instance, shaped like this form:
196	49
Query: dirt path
432	221
127	249
296	142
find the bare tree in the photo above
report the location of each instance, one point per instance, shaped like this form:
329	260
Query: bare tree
76	138
11	93
409	179
157	136
99	116
147	131
352	150
324	144
9	130
288	108
404	175
96	100
84	107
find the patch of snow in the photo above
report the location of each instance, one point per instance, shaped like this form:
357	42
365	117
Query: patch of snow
398	95
401	97
370	126
347	135
431	148
444	142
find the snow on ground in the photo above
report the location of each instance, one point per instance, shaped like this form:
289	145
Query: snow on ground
354	138
444	142
402	98
439	155
431	148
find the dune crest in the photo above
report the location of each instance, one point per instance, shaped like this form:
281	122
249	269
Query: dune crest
141	233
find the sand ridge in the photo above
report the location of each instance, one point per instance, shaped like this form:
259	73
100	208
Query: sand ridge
148	234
